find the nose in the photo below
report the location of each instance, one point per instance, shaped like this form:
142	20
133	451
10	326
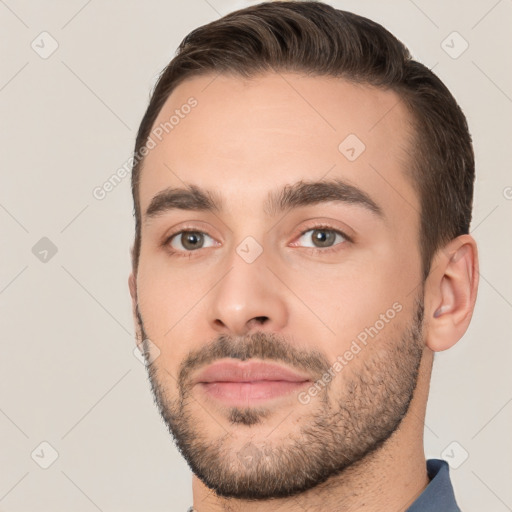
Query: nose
249	297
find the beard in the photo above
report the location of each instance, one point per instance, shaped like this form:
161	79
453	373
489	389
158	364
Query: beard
338	428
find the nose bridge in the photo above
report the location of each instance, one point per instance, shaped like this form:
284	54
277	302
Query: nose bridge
248	295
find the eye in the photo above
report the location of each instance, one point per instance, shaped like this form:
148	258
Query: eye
321	237
190	240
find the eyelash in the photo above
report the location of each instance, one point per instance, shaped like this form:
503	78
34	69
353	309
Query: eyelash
314	250
326	227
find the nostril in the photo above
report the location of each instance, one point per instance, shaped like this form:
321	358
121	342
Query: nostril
261	319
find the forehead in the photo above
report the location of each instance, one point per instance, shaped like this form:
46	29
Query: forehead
244	137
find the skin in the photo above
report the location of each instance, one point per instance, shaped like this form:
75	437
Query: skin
244	139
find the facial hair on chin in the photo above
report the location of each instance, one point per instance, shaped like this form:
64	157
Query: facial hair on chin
337	432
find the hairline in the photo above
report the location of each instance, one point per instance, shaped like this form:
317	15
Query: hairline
413	160
413	123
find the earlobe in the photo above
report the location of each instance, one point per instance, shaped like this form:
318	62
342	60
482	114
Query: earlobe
133	287
451	293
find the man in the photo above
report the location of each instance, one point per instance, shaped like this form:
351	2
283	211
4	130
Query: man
303	194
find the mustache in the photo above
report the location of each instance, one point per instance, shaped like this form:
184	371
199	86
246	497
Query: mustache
259	345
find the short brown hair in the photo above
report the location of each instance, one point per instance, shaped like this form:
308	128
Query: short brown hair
315	38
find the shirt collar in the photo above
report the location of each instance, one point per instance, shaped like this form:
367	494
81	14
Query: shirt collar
438	495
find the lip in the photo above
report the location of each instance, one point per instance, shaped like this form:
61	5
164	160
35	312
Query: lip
244	383
249	371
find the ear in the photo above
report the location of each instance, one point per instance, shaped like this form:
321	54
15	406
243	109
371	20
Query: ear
132	285
450	292
132	280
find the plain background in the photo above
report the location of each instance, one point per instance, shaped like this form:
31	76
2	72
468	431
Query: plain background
69	376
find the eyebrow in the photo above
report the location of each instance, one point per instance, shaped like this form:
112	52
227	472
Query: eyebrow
300	194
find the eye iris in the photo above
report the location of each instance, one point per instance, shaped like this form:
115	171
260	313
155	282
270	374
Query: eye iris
192	240
323	237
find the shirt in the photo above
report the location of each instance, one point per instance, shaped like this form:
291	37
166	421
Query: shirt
438	495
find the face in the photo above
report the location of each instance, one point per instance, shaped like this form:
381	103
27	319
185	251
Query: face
279	282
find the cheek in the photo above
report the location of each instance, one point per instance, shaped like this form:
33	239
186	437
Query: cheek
165	301
341	301
174	305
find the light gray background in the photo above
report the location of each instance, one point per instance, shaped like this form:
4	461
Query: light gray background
69	376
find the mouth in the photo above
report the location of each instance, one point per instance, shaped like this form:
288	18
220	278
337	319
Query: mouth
251	382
